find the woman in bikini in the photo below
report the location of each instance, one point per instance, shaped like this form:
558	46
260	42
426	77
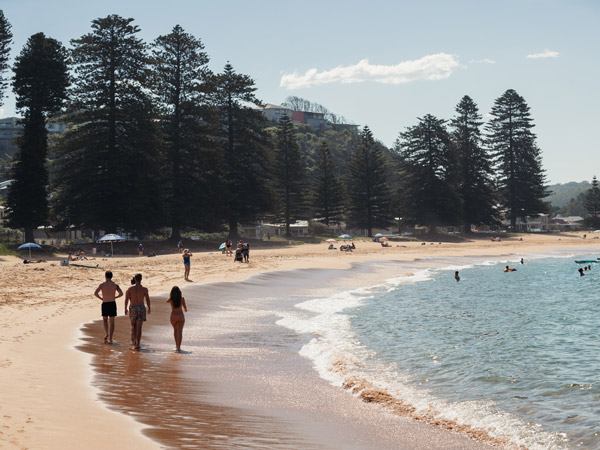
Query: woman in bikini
186	264
178	305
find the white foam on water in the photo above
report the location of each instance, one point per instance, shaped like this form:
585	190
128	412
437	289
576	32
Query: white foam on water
338	357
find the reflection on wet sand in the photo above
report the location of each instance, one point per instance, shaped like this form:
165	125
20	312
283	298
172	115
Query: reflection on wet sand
147	386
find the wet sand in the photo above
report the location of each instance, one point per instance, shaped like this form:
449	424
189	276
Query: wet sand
241	383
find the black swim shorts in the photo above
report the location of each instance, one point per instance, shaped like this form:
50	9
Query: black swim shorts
109	309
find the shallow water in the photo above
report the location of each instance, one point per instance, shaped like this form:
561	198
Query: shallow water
512	354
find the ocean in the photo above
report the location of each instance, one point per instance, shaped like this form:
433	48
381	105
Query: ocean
515	355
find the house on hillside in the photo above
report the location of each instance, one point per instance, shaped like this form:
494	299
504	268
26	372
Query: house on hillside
275	112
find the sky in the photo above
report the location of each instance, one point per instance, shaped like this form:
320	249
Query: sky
383	63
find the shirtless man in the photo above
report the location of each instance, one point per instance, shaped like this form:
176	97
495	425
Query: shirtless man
137	312
109	291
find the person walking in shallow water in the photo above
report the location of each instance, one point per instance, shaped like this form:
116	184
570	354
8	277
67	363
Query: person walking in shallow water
109	290
177	302
186	264
136	294
456	276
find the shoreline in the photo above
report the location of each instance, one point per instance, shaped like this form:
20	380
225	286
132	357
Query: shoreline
42	305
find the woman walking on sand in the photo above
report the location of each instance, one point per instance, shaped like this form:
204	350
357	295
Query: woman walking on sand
178	305
186	264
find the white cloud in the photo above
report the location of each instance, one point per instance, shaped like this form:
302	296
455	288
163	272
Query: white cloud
545	54
431	67
482	61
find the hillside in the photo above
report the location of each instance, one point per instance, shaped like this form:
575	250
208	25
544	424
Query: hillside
563	193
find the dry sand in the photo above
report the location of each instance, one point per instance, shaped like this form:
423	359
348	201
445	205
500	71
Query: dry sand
47	401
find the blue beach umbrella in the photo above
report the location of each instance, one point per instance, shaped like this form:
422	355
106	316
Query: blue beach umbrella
345	236
111	238
378	235
222	246
30	245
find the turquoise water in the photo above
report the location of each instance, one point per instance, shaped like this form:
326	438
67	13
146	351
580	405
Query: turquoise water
516	354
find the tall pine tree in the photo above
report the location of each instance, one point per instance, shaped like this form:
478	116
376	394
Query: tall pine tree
108	165
475	173
367	184
5	41
328	193
40	85
429	167
181	88
290	174
592	204
247	193
521	181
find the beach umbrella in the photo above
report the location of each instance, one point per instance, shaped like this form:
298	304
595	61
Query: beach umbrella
222	246
111	238
378	235
331	240
345	236
30	245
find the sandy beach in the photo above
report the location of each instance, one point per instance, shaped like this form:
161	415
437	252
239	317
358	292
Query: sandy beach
48	400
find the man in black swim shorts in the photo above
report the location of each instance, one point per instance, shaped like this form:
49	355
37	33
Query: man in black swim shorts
110	292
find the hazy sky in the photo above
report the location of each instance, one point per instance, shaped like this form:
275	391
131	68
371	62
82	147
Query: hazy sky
384	63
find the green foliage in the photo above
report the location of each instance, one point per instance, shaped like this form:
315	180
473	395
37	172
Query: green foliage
475	173
107	166
5	41
367	185
430	174
574	207
40	85
316	228
563	193
289	175
521	179
247	190
180	85
328	193
592	204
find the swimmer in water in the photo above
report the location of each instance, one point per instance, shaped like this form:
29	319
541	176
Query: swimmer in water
456	277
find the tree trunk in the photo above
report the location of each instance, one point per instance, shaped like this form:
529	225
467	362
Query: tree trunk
233	231
29	234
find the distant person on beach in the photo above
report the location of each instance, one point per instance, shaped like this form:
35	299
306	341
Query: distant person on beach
228	247
178	305
507	269
581	274
456	276
110	292
186	264
136	294
34	261
141	249
246	252
180	246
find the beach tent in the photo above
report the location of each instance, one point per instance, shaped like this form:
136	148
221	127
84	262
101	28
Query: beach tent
30	245
111	238
345	236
